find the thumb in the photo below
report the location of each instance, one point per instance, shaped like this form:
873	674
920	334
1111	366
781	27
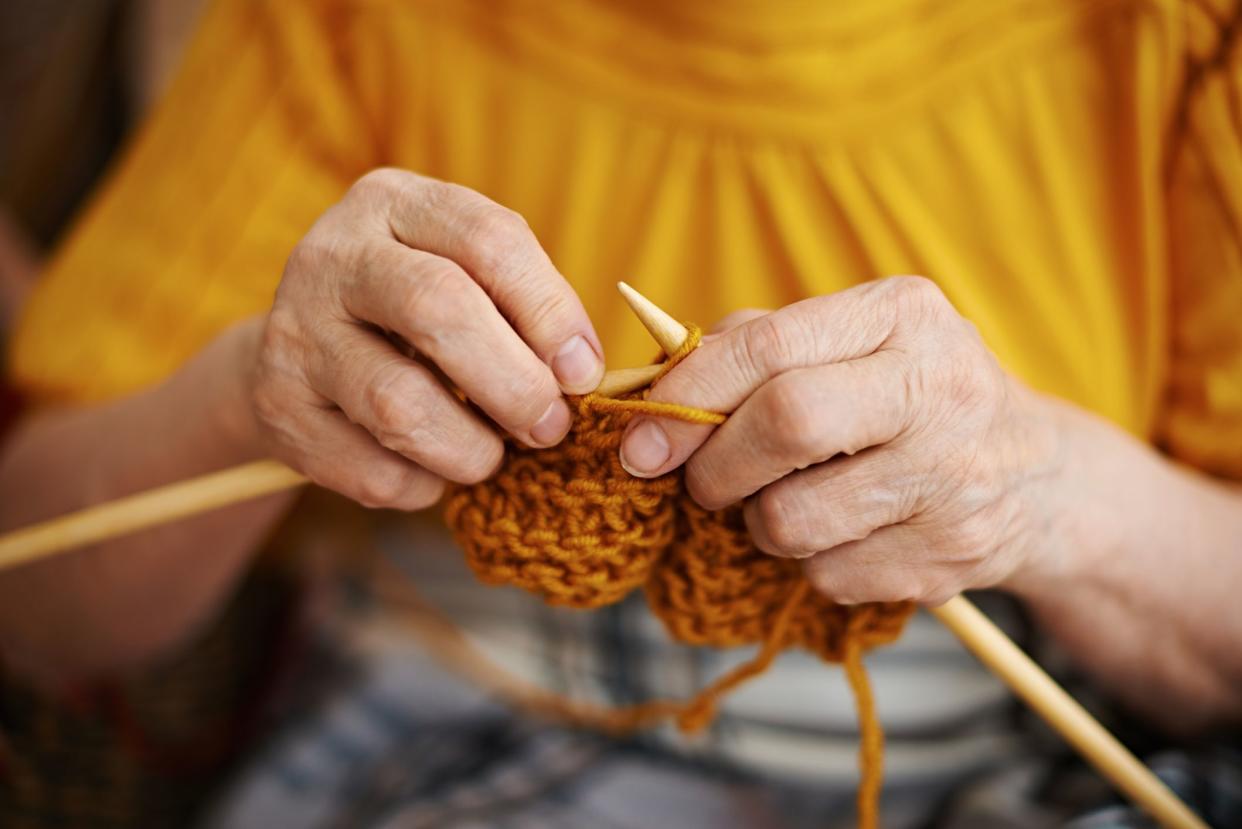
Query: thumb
654	440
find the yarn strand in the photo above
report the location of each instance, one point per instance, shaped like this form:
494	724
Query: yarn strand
569	524
871	735
446	641
650	407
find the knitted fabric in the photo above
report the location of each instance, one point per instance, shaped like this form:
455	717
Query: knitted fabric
572	526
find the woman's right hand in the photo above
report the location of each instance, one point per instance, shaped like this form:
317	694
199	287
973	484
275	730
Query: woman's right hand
401	261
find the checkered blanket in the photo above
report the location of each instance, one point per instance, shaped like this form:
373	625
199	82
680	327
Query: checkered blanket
400	741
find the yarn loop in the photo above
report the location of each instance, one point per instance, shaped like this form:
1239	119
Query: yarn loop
569	524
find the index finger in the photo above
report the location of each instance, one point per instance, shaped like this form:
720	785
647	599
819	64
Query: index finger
723	372
496	247
444	314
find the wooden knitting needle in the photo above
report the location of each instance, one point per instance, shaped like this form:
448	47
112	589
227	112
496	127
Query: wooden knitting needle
627	379
183	499
666	331
144	510
1061	711
191	497
996	650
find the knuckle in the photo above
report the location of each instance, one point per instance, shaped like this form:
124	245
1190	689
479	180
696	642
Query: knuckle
496	234
391	407
869	584
819	571
436	441
451	444
281	334
765	344
704	483
382	183
275	367
854	581
531	390
541	311
423	491
429	494
383	485
323	260
795	426
736	318
973	535
452	199
900	586
480	464
906	387
785	523
933	596
435	297
308	257
844	593
694	378
847	594
844	525
527	389
268	407
915	288
917	297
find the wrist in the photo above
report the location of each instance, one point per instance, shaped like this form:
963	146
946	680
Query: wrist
236	352
1073	527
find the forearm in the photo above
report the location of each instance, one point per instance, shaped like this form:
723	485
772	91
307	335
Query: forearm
1141	587
114	605
19	267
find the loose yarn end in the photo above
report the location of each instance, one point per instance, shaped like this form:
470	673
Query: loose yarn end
569	524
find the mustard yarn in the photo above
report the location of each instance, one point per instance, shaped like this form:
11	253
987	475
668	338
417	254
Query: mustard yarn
569	524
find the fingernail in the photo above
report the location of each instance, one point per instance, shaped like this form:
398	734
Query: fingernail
645	449
577	366
553	425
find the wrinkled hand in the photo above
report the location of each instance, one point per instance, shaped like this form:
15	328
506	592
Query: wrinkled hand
873	435
405	281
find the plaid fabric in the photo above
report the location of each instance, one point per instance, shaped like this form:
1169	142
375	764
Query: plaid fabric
945	716
410	745
149	751
380	735
406	743
403	744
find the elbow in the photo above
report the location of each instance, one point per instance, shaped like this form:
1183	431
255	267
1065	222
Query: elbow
52	658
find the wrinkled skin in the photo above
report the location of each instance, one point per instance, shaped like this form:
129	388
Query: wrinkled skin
873	436
467	297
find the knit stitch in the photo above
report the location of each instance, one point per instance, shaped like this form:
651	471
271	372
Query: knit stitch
571	525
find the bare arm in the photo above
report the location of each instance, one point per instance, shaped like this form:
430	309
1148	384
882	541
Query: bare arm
1143	588
116	604
19	266
874	437
316	384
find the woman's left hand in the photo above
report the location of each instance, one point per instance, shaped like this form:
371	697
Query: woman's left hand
873	435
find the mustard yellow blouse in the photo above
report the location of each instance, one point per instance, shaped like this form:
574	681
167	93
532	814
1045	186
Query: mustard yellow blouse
1070	171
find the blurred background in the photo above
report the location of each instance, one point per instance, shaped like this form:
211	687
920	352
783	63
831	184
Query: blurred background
75	77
